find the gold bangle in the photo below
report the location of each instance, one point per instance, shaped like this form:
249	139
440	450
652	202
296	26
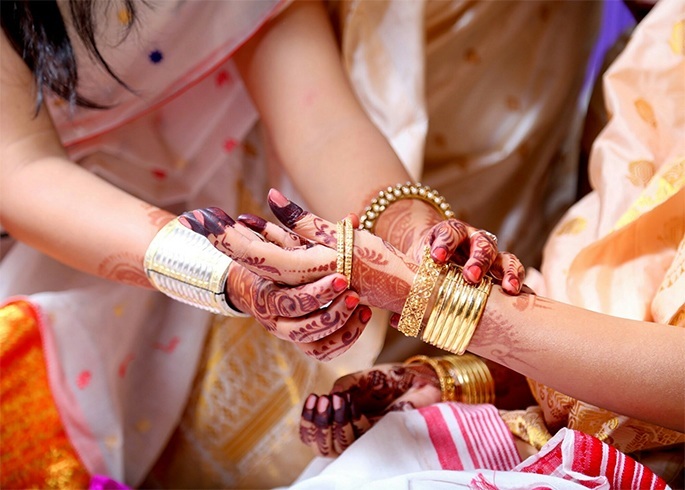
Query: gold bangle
472	377
457	311
349	249
430	333
345	249
340	247
445	380
408	190
421	290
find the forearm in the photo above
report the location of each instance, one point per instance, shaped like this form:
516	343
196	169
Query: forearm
54	205
79	219
335	155
630	367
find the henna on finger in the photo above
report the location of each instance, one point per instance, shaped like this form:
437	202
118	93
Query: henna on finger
307	427
511	271
323	417
341	340
207	221
285	210
320	323
342	431
275	234
483	254
445	239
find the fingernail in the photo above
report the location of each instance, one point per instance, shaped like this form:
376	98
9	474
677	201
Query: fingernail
365	315
514	283
475	273
351	302
339	284
253	222
395	320
439	254
308	409
324	411
207	221
339	409
286	211
277	198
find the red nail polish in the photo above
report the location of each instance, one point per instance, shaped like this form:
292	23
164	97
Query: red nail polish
351	302
339	284
475	272
440	254
395	320
514	283
365	315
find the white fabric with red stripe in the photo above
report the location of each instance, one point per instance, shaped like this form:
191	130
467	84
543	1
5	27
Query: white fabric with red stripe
452	445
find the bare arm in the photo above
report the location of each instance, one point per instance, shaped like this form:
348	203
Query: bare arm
631	367
634	368
337	158
56	206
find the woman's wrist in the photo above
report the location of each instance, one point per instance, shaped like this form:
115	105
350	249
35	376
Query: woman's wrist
403	213
405	222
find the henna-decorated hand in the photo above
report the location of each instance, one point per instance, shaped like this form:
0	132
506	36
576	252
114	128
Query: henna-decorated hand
411	224
330	423
475	250
383	275
286	299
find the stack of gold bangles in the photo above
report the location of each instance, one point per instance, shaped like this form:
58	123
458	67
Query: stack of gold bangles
457	309
465	379
345	246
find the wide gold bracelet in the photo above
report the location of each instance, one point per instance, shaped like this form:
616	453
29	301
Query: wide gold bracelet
457	308
407	190
414	308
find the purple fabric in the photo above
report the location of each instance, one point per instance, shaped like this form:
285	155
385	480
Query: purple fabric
101	482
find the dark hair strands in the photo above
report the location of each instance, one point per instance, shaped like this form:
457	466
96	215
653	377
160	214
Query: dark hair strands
37	32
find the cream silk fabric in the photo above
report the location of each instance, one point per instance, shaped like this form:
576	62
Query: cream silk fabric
480	100
621	249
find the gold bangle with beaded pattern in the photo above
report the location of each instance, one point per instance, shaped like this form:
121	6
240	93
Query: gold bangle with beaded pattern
407	190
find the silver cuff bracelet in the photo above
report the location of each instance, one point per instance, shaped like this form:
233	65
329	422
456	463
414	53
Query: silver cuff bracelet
185	266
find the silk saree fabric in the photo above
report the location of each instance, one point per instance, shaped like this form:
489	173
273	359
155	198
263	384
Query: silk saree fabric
35	449
621	249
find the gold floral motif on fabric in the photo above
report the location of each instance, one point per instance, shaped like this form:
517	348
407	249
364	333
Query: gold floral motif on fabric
241	426
528	425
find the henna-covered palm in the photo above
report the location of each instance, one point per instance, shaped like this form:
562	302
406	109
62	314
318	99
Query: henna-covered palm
330	423
288	301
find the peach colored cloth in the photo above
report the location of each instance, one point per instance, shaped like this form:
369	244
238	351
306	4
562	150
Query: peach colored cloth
621	249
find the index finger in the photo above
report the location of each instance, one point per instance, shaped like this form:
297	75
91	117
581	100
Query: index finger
265	259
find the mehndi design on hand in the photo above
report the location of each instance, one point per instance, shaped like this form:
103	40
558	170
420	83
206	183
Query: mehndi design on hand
287	301
330	423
